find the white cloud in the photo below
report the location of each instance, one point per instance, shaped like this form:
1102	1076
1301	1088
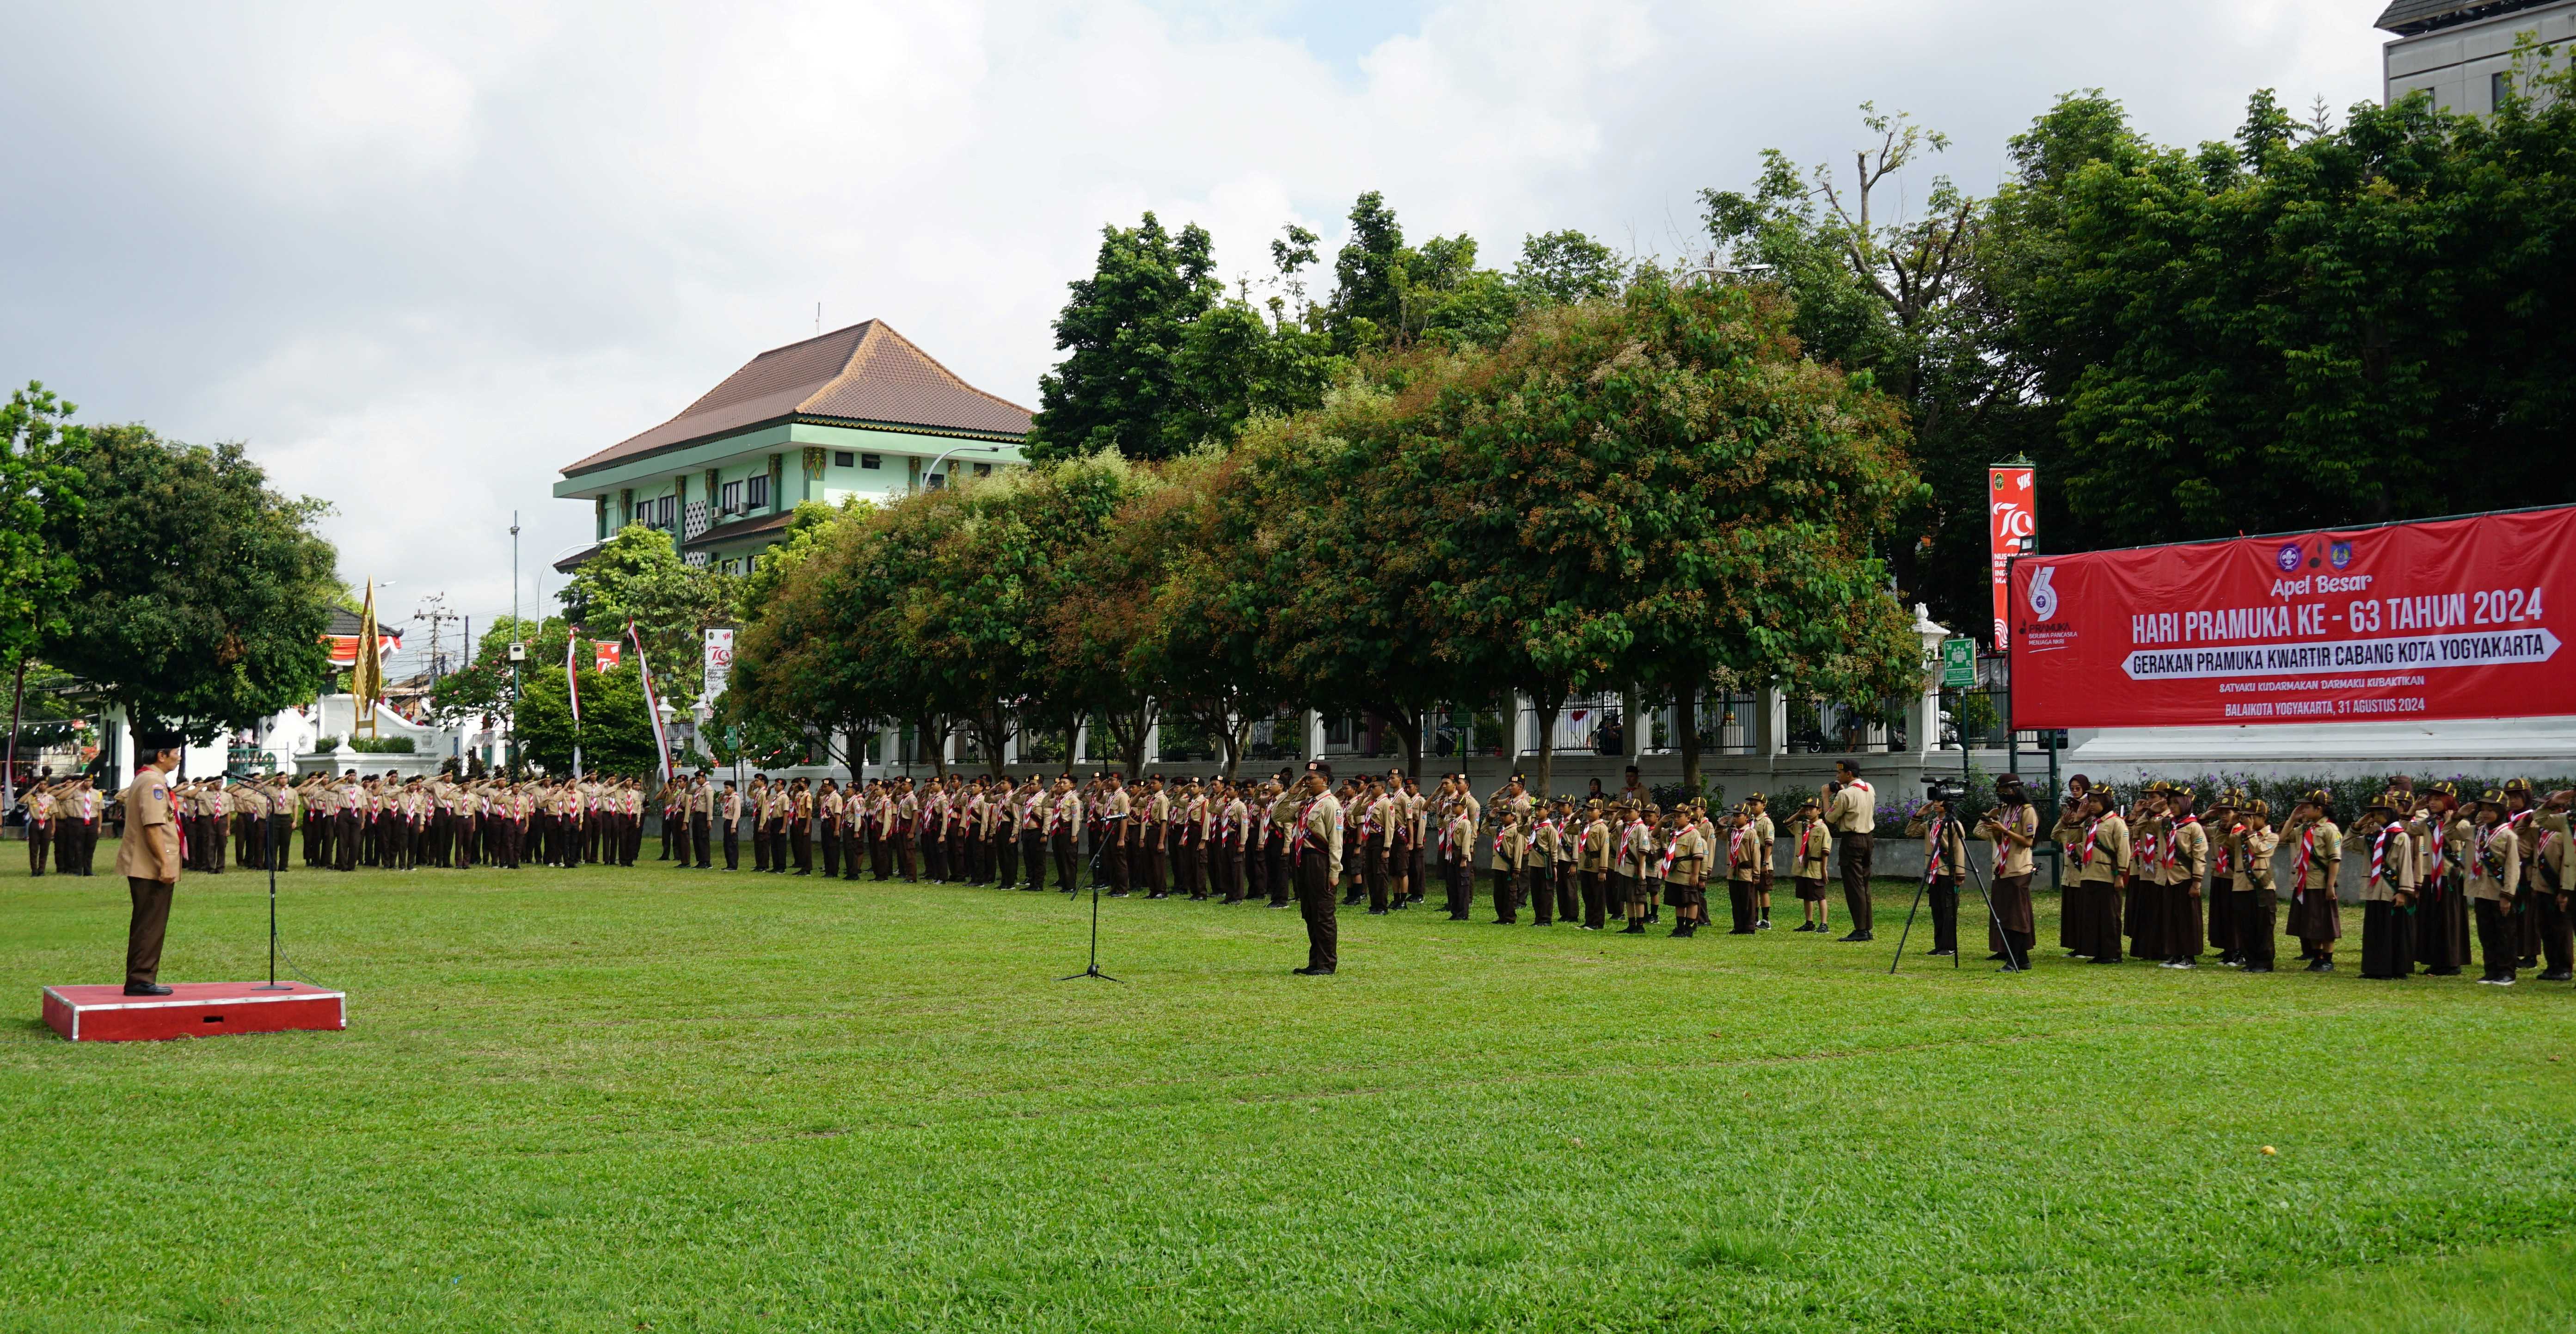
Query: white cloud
421	259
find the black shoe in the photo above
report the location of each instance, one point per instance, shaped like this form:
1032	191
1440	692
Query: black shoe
2010	967
146	989
1942	954
1740	931
2108	958
1458	917
2557	975
1158	895
1636	927
2321	965
1856	935
1684	930
1312	972
1280	905
1806	926
2258	968
1376	912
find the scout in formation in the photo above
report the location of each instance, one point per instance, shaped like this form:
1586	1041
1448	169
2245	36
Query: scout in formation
2443	876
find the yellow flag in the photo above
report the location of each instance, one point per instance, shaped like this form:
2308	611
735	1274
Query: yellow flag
367	673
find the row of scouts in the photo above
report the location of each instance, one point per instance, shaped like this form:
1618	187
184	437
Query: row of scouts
2438	869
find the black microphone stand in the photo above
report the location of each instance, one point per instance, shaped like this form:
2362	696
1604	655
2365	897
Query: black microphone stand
267	838
1094	970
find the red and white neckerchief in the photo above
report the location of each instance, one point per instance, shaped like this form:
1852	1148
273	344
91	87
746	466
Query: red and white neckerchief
2299	867
1297	836
2173	840
1664	868
2437	859
2219	859
2085	858
2146	850
1805	831
1735	844
2379	851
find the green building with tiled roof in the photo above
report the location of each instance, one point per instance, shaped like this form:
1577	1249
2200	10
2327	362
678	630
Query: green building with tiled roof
859	411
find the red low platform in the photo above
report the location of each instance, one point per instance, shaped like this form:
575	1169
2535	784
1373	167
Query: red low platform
191	1010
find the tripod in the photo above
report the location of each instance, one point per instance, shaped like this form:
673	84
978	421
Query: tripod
1094	969
1949	823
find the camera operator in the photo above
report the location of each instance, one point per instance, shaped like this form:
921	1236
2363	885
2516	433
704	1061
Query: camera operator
1945	863
1851	811
2013	827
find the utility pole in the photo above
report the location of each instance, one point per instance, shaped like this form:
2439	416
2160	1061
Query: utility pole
518	644
433	609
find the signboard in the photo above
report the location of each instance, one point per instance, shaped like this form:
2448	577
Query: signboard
2408	622
1958	664
2012	518
604	655
719	661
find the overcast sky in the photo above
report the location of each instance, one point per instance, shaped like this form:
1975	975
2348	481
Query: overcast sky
419	261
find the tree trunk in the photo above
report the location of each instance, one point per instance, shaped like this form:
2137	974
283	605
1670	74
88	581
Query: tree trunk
1546	771
1408	729
1686	726
9	766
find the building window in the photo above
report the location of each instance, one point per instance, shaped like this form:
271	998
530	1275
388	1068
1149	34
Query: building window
2499	90
983	470
872	460
933	482
842	458
757	491
666	511
732	503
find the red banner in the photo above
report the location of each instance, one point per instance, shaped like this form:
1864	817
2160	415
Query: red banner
2012	517
2456	618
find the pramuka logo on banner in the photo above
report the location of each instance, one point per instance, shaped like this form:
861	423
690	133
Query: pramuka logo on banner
2046	631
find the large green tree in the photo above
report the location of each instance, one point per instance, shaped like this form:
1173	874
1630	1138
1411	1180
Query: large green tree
615	733
1121	330
1912	301
37	441
2312	325
638	576
202	595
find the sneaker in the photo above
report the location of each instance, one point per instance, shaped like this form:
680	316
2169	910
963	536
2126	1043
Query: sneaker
1636	927
1763	925
2320	965
1804	926
1862	936
2557	975
1377	912
1942	954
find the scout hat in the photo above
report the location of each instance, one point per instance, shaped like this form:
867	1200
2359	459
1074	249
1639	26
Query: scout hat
2258	806
1810	804
1753	798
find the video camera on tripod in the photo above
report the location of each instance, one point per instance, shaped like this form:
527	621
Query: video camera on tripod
1948	791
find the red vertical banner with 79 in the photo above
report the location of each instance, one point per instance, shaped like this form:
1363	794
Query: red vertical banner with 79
2012	516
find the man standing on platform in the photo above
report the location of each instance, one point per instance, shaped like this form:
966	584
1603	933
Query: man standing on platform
1851	811
148	858
1316	846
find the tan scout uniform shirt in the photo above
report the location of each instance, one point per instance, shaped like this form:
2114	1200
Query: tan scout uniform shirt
150	850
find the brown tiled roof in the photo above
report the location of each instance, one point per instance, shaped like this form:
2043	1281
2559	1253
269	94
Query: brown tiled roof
864	373
2408	17
742	528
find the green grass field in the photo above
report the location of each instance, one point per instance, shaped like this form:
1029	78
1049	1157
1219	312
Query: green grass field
604	1100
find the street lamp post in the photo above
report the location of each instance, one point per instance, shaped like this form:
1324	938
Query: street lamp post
933	469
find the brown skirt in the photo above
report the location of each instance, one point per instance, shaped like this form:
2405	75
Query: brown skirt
1810	890
2012	906
2182	939
2315	916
